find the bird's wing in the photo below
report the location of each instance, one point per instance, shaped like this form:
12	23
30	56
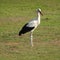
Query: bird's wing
32	23
25	29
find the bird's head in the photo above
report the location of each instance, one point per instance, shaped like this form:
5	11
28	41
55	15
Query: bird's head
39	10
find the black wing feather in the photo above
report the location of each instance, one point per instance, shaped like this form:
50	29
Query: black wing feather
25	29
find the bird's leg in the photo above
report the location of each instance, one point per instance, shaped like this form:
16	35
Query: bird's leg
31	37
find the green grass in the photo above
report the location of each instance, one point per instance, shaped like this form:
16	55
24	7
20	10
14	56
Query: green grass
14	14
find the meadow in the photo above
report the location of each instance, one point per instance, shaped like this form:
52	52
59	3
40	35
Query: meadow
14	14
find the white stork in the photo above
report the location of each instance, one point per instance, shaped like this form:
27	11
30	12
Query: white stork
31	26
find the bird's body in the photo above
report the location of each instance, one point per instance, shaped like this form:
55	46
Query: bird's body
25	29
31	25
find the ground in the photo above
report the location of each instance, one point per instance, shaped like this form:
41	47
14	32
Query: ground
14	14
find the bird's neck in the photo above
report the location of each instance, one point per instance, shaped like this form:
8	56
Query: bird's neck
38	15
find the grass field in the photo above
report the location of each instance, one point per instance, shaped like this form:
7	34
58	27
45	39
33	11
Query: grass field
14	14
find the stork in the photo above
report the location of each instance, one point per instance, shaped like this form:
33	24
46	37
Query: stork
31	26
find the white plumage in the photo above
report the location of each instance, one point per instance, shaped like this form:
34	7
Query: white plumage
31	25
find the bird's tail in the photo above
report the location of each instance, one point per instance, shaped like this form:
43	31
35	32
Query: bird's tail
20	33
